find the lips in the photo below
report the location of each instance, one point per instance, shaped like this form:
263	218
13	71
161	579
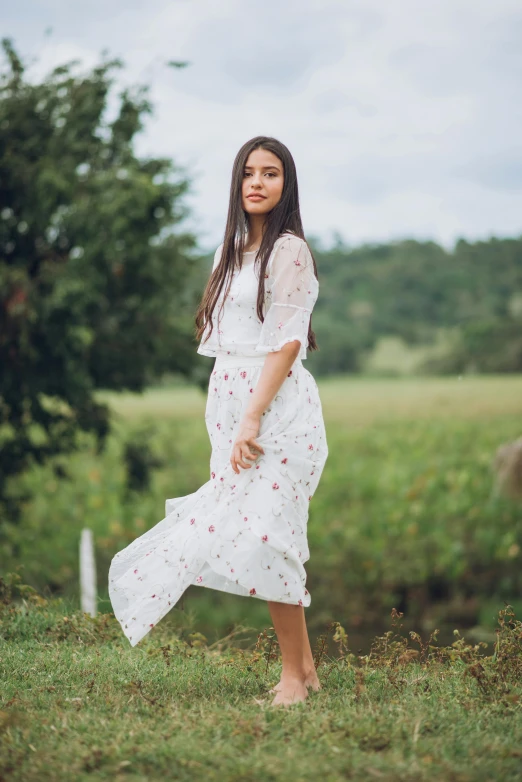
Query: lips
254	197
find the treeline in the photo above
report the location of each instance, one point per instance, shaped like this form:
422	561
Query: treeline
417	291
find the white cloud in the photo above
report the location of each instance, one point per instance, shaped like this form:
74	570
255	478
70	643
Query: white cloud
403	118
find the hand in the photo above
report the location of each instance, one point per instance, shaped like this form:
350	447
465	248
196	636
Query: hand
248	431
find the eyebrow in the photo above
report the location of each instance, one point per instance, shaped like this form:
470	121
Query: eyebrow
276	167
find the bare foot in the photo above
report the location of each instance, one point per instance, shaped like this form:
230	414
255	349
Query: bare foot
291	691
311	680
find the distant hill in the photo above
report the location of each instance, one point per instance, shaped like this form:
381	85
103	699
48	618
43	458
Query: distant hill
415	291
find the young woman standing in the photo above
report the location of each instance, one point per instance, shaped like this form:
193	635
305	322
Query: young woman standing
245	530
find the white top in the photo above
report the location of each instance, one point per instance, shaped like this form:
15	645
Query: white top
291	290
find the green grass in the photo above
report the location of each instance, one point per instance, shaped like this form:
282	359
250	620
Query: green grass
77	702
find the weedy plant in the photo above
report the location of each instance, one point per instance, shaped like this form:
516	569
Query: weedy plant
24	614
496	675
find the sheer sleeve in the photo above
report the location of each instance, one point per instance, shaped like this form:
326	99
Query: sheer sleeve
217	256
291	292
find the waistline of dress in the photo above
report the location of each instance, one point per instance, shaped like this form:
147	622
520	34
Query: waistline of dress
223	361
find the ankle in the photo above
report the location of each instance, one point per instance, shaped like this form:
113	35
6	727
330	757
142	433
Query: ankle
309	670
288	674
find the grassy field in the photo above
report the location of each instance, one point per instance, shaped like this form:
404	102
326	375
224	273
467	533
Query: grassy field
357	400
405	515
77	702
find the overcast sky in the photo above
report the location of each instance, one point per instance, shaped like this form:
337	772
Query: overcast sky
404	117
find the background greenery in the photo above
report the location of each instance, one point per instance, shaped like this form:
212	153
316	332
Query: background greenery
407	515
90	263
451	312
99	282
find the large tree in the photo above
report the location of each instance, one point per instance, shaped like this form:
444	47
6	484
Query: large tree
97	279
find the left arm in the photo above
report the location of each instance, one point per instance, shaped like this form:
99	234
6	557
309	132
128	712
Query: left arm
275	369
284	330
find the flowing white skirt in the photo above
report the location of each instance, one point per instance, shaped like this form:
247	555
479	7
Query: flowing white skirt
242	533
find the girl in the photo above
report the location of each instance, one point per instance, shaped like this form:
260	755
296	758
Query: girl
245	530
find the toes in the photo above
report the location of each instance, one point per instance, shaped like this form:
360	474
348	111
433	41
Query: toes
288	698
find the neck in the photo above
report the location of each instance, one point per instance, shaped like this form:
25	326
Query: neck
256	224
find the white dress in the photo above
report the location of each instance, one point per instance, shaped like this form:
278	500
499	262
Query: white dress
242	533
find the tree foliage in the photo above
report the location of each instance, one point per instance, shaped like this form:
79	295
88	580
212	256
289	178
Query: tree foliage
97	288
412	289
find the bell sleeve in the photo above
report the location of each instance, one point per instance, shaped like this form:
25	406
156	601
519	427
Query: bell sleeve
291	292
217	257
209	344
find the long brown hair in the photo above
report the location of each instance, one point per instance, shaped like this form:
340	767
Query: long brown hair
284	217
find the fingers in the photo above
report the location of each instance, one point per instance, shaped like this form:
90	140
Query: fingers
259	447
242	456
236	459
242	452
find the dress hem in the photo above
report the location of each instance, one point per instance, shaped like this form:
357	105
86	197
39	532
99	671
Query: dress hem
237	589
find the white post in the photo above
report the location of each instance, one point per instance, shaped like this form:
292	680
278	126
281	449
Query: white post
87	573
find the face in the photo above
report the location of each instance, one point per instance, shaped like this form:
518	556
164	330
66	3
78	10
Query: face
262	176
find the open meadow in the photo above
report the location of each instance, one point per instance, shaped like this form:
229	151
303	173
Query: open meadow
406	517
